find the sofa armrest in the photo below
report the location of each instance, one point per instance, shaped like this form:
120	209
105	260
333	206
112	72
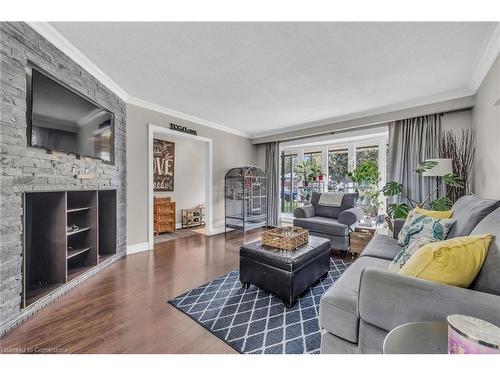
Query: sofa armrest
304	212
397	225
350	216
387	300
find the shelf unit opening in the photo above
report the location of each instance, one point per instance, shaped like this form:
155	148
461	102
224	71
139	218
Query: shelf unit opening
66	233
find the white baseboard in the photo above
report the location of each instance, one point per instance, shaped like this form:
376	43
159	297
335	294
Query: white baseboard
137	248
217	230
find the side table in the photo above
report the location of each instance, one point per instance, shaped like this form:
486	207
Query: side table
360	238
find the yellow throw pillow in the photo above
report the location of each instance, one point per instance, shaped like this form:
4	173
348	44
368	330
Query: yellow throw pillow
456	261
434	214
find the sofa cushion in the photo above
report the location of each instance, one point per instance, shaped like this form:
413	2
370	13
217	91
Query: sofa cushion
338	308
348	201
468	211
456	261
382	247
488	280
321	224
418	226
404	255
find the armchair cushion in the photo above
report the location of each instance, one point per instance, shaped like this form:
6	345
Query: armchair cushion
322	225
304	211
387	300
348	202
351	216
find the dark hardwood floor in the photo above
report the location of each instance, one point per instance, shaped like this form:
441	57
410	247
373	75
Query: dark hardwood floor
124	308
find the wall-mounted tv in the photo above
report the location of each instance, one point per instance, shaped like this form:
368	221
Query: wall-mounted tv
60	119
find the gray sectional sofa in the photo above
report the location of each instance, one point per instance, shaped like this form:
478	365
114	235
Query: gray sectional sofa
367	301
334	223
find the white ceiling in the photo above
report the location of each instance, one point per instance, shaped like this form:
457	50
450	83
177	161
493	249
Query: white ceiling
262	78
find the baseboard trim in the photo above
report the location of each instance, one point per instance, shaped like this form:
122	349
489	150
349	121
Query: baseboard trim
137	248
218	230
49	298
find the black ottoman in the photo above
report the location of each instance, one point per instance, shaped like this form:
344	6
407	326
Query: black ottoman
284	273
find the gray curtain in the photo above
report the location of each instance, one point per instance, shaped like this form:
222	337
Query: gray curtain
272	183
412	141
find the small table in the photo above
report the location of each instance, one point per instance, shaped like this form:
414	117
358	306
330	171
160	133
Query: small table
418	338
359	238
284	273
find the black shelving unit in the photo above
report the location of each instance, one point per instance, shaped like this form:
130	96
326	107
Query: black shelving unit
245	198
81	242
66	233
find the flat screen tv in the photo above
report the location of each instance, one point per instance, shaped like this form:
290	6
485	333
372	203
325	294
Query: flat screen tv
60	119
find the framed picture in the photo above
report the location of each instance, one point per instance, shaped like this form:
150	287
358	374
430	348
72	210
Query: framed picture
163	165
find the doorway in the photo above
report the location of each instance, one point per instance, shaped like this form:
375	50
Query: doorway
182	179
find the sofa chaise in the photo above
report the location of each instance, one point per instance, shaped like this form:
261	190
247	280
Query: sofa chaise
367	301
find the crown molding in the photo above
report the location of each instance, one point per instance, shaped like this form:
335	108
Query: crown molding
490	53
184	116
60	42
401	106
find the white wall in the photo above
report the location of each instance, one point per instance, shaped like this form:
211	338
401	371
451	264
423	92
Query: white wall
457	121
189	174
261	157
486	121
229	151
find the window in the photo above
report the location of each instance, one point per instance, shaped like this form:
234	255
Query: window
366	153
289	191
338	167
313	155
369	196
337	157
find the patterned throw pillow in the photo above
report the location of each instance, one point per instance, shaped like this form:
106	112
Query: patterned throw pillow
405	254
417	226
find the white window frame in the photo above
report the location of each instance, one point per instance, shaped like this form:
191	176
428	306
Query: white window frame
379	139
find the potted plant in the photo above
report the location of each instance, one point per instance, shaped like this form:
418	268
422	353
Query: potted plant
366	176
396	189
308	170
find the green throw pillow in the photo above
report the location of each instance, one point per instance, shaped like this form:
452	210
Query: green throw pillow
417	226
399	261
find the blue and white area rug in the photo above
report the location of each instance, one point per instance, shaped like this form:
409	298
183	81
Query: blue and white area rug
255	322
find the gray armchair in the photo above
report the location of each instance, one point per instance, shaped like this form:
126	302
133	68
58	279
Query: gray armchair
334	223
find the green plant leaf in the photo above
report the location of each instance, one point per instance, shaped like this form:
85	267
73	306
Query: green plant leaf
392	188
307	170
425	166
365	172
398	210
453	180
441	204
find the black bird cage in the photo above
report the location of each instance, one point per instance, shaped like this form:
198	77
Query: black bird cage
245	198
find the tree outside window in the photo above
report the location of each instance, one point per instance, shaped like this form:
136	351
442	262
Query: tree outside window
338	167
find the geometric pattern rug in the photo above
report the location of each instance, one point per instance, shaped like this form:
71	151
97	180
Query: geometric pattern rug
254	321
